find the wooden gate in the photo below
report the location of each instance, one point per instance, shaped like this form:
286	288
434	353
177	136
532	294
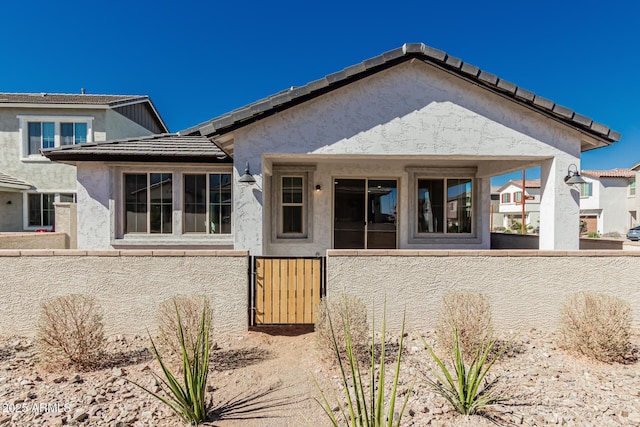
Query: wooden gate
286	291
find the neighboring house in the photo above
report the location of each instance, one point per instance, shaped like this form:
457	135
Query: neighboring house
497	218
30	183
608	200
634	196
396	152
511	200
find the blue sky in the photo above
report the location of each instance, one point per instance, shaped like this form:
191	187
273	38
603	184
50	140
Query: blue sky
199	59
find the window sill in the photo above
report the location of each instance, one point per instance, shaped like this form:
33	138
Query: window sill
35	159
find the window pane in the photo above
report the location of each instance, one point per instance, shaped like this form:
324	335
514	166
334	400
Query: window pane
34	208
80	133
430	205
66	133
292	219
67	197
195	203
35	137
48	135
135	189
161	208
292	189
459	206
48	215
220	203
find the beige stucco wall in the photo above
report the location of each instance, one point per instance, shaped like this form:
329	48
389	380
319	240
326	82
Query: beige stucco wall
526	288
32	240
129	285
66	222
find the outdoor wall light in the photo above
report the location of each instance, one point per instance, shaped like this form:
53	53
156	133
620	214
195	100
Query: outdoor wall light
573	176
247	178
318	188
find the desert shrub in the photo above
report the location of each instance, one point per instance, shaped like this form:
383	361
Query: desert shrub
465	384
593	235
342	310
70	332
468	313
596	325
366	404
189	309
186	397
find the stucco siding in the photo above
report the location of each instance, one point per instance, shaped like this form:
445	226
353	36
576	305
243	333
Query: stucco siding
95	223
526	291
11	211
129	288
410	110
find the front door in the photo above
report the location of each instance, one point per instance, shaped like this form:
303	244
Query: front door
365	213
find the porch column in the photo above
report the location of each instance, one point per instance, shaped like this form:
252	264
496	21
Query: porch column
559	206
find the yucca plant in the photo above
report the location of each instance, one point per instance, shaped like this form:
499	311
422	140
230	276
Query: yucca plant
466	386
186	399
366	406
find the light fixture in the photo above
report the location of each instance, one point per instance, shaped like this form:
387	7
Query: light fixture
573	176
247	178
318	187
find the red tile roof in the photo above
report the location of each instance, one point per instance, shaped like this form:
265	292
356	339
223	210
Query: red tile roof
613	173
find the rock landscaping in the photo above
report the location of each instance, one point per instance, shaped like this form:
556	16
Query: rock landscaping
266	379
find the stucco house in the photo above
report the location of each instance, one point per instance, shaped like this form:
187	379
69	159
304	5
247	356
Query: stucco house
30	183
395	152
608	200
511	200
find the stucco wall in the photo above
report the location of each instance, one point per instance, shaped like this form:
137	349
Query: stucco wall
11	211
613	202
128	285
32	240
526	288
424	114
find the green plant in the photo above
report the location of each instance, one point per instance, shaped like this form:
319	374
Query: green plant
469	313
339	310
593	235
464	387
190	309
597	326
186	399
70	331
366	405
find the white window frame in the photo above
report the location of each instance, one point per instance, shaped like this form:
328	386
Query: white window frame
299	171
633	185
24	121
208	203
25	205
590	192
417	173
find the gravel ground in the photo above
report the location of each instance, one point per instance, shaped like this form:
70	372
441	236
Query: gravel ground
266	379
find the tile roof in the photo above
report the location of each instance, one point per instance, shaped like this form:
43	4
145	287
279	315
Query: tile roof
9	181
612	173
296	95
68	98
529	183
160	148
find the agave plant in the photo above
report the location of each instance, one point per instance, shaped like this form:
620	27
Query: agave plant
466	387
187	398
366	408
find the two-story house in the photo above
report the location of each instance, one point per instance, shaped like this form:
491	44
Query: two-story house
30	183
511	200
608	202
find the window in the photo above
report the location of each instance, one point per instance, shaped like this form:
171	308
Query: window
632	187
586	189
444	205
207	203
40	210
292	205
43	132
517	197
148	203
73	133
506	198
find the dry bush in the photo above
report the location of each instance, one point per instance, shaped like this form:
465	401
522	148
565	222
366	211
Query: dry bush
596	325
70	332
470	314
190	308
340	309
